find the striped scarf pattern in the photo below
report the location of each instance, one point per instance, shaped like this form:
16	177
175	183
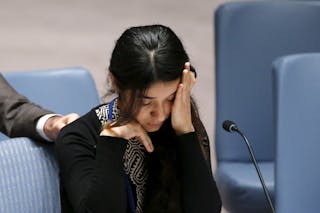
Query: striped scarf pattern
134	157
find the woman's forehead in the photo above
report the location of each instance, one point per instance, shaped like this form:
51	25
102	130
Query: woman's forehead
162	89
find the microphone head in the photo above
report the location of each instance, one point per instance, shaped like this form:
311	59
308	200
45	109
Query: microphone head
229	126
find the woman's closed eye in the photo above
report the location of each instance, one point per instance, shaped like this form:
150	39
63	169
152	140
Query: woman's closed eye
146	102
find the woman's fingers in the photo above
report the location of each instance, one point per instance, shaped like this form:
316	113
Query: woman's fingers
179	95
145	140
128	131
181	109
187	66
188	77
139	133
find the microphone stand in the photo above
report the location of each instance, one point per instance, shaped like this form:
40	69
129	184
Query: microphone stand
256	166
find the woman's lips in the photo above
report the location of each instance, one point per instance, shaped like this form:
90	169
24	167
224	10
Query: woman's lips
156	125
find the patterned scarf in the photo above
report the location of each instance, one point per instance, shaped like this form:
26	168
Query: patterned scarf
134	157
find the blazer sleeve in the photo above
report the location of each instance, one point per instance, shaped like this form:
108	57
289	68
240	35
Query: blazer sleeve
199	190
18	116
91	167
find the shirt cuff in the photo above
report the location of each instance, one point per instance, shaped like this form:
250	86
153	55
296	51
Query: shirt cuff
40	125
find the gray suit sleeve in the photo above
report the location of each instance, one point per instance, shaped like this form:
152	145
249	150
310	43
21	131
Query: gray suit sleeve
18	116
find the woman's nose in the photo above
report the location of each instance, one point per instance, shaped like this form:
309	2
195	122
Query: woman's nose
160	113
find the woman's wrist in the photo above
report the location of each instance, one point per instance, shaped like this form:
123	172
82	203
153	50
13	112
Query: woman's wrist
184	130
109	132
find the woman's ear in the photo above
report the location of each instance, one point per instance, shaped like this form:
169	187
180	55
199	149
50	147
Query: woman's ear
113	82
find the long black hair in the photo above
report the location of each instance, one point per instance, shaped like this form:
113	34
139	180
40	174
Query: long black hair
142	56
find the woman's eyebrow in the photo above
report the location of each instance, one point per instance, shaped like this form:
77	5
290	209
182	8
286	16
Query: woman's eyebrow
149	97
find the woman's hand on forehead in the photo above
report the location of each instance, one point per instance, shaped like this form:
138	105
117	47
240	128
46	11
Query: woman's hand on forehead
181	109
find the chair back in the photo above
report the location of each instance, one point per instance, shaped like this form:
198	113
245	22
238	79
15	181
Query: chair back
296	126
248	37
29	180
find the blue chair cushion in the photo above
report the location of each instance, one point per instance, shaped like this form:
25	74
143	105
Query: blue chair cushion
240	186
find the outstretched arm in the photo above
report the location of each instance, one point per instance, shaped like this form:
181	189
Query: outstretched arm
19	117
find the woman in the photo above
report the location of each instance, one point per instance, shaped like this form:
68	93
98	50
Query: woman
146	150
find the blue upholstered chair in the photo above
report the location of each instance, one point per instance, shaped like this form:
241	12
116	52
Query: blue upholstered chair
29	180
249	36
296	127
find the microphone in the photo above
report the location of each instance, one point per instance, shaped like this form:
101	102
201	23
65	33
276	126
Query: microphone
231	127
